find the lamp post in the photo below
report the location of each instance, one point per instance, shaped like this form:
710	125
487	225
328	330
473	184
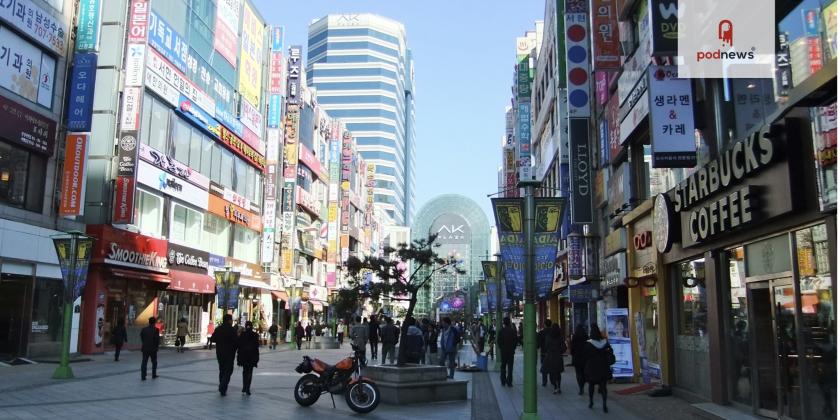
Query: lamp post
530	330
293	317
73	250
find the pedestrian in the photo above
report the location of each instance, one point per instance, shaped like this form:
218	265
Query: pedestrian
519	333
373	331
555	347
225	338
299	334
413	342
541	345
210	328
272	333
434	333
507	348
426	329
308	332
448	345
181	332
359	334
150	339
579	355
119	337
248	355
491	341
599	358
390	337
340	330
482	337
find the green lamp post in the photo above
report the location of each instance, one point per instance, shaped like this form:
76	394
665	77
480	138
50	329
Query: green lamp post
73	250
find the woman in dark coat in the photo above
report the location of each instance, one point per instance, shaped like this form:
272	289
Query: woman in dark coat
555	346
579	355
248	355
299	333
119	337
597	370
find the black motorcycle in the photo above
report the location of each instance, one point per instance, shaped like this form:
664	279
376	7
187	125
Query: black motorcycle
345	377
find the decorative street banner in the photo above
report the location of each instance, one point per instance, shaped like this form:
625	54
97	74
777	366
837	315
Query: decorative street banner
549	212
511	227
73	265
618	334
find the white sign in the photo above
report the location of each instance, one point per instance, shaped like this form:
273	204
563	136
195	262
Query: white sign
162	88
172	166
37	23
237	199
134	59
131	109
171	185
171	75
228	12
250	117
636	115
671	119
24	69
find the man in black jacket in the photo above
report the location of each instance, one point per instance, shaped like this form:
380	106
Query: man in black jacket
541	345
150	338
507	347
225	338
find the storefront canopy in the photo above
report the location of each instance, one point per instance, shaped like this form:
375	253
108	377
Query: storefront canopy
185	281
139	275
280	295
254	283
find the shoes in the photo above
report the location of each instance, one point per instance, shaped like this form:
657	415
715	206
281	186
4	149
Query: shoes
154	376
580	392
590	404
248	393
544	384
605	409
143	378
223	393
555	391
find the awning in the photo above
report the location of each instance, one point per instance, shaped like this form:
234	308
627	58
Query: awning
139	275
280	295
185	281
254	283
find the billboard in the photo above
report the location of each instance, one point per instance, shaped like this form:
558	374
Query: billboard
509	214
451	228
25	69
31	19
251	57
73	179
227	27
671	119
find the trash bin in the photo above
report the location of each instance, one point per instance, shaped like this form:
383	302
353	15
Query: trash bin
481	362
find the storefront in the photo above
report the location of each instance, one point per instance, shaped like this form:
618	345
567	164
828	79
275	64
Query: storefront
127	273
255	294
752	245
189	296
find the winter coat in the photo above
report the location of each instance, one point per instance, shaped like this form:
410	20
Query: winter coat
507	341
359	334
182	329
299	332
225	338
433	339
248	344
390	334
541	334
597	368
119	336
308	331
272	330
413	344
373	332
150	337
579	351
449	340
554	347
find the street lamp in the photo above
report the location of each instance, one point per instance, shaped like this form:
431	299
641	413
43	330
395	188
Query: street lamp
73	250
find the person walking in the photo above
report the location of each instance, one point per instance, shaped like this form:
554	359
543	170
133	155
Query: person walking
340	330
519	334
272	333
579	355
226	341
119	337
482	337
491	341
432	345
555	348
448	345
150	339
507	347
210	328
599	357
248	355
308	332
181	332
413	342
541	345
299	333
373	337
359	334
390	338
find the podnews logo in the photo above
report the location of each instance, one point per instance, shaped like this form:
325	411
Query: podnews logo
725	34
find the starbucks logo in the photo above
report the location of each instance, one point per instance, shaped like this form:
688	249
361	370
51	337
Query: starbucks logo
128	143
663	229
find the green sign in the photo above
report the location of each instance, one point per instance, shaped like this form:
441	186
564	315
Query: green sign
87	36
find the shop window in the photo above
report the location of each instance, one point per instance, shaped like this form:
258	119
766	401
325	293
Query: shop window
650	305
181	134
17	188
46	314
187	225
824	132
216	237
691	340
245	244
819	321
738	331
226	170
148	210
154	129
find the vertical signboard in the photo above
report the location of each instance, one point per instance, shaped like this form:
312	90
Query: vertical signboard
293	84
227	28
581	171
671	119
549	212
82	83
606	50
577	59
125	186
346	171
251	57
288	197
524	134
87	32
73	176
332	193
511	230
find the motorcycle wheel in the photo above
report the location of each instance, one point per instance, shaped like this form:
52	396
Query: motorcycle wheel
362	397
306	390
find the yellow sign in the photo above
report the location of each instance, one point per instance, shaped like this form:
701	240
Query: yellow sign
510	216
251	56
287	264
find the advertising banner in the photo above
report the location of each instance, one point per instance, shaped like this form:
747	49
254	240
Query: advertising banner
130	113
308	158
581	176
574	244
162	88
24	69
172	166
618	334
523	68
156	63
250	117
171	185
87	32
277	35
73	180
293	84
82	83
606	48
510	223
251	56
242	149
234	213
73	264
31	19
671	119
275	109
613	128
126	249
227	26
577	59
549	213
26	128
524	137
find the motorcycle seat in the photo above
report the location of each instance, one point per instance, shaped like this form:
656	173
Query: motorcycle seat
320	366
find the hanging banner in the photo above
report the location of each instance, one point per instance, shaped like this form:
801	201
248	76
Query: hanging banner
87	32
73	265
82	82
671	119
548	212
73	179
251	57
606	48
575	255
618	334
510	223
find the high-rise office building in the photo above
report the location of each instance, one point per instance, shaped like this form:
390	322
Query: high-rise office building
363	72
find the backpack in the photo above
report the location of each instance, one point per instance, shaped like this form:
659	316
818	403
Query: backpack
610	355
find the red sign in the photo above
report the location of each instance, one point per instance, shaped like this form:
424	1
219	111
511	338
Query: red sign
253	140
138	22
642	240
275	78
308	158
241	148
73	175
614	127
121	247
606	50
124	200
26	128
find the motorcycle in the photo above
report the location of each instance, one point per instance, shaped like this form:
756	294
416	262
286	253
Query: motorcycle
345	377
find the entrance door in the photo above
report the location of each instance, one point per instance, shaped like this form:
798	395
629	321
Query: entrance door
775	363
12	316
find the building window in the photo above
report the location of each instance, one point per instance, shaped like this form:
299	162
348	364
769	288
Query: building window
245	244
148	210
17	188
154	130
216	238
692	339
740	378
181	134
187	225
226	170
45	335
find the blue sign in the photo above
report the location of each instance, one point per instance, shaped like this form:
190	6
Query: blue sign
87	32
197	116
82	84
574	244
511	229
170	43
229	120
277	38
214	260
274	109
580	293
232	300
549	213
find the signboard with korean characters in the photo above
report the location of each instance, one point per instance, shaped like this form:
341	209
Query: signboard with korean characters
251	56
577	59
172	185
24	69
82	83
26	128
671	119
227	27
87	29
31	19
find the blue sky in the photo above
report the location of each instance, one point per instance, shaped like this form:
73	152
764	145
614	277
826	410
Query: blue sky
464	55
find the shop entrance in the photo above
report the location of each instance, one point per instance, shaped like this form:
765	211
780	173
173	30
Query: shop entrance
13	331
775	365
